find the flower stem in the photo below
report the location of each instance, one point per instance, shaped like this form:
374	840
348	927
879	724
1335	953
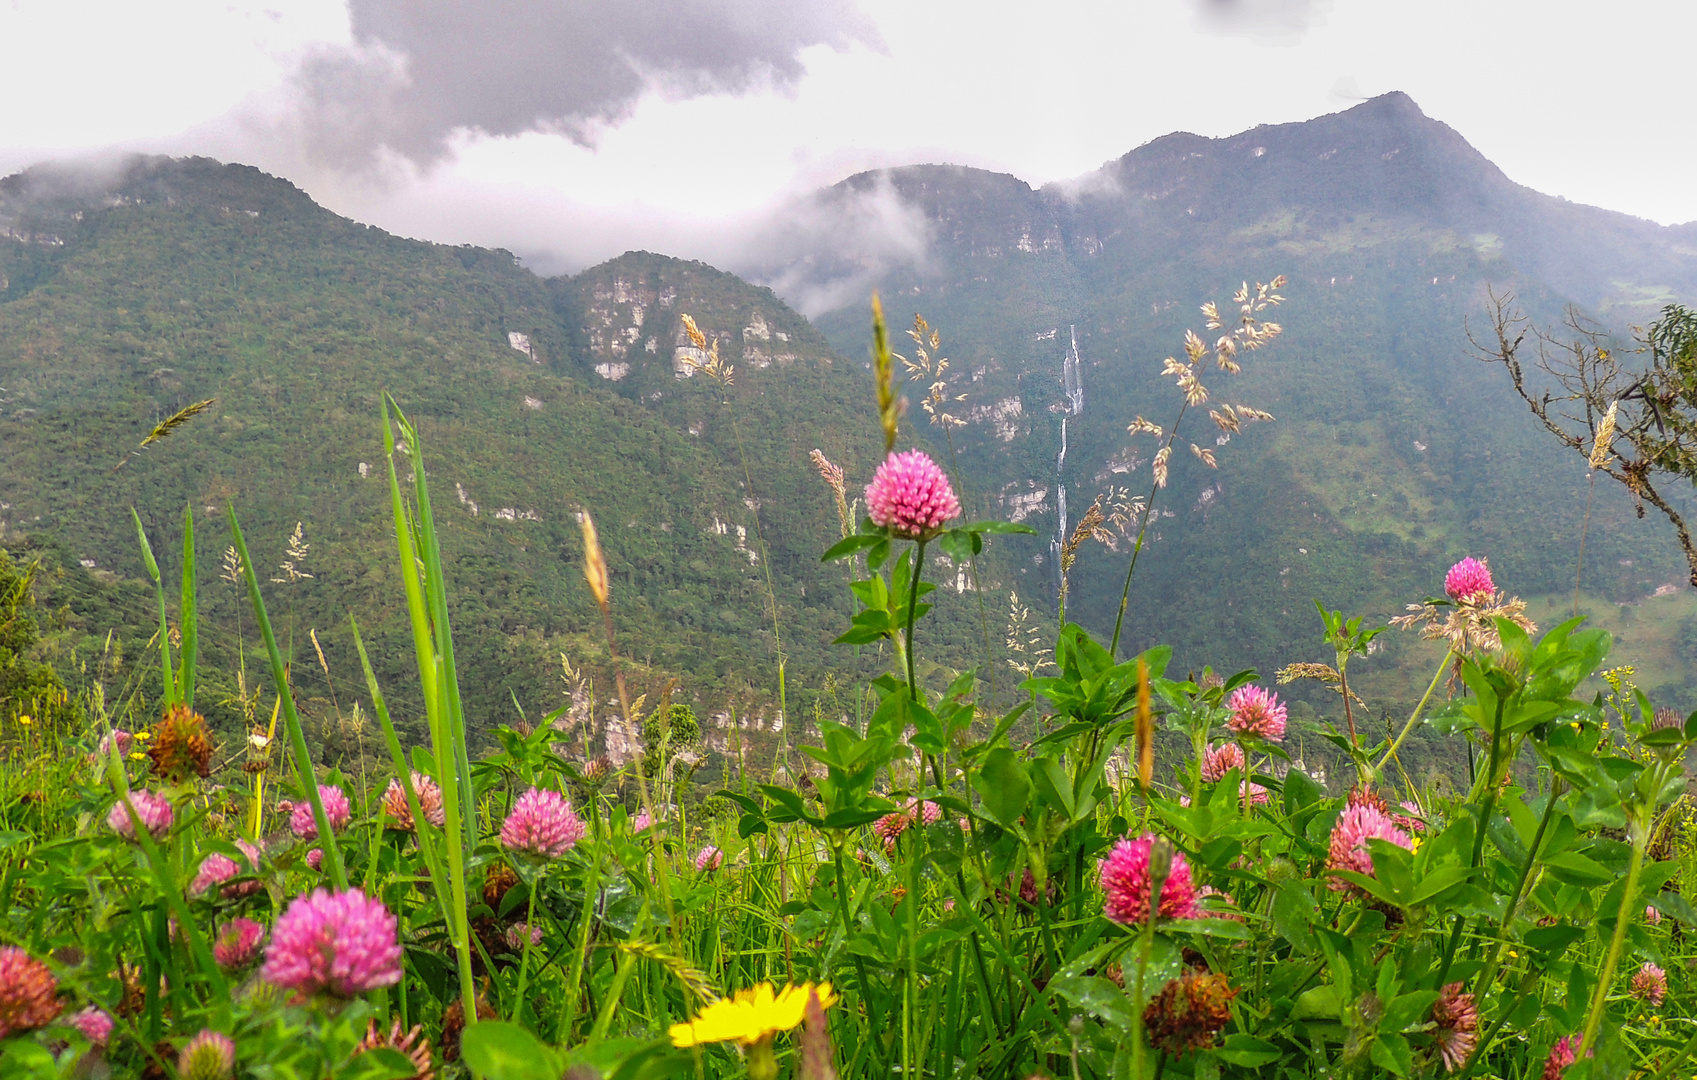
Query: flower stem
1137	548
524	961
1414	717
1623	917
568	1003
912	608
1579	570
1488	803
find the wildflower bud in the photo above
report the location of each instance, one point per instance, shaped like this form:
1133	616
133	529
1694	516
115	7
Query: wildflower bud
1160	859
28	992
1131	885
815	1042
542	823
154	811
94	1023
1649	983
911	496
208	1056
237	944
341	943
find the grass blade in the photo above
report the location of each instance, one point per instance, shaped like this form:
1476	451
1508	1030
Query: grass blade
170	692
403	772
441	708
291	718
436	593
188	615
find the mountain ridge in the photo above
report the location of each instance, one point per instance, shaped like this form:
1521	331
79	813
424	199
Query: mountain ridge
1388	457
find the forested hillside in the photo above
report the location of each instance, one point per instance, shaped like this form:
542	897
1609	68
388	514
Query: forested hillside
179	281
130	295
1393	451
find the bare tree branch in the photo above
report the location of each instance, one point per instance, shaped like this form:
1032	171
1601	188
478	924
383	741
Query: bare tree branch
1653	437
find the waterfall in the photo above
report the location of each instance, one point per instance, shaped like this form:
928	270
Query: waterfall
1072	384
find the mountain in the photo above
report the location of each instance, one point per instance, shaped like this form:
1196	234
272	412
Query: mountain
1394	451
127	296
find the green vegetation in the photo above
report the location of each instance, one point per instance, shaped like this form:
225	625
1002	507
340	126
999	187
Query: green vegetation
940	887
183	281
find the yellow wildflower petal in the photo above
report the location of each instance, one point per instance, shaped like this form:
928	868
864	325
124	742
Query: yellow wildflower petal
751	1015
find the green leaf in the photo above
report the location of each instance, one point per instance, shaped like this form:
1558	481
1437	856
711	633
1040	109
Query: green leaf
997	527
1300	791
26	1059
1572	868
497	1050
1372	885
1320	1003
1676	906
1097	995
1294	911
852	817
1407	1010
1552	939
381	1063
1248	1051
1053	783
1437	882
1220	928
849	545
1004	786
1392	1052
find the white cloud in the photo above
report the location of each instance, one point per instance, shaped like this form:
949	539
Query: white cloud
689	167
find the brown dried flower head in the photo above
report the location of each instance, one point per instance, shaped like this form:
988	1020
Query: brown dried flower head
496	881
1188	1012
412	1044
1467	625
181	747
453	1024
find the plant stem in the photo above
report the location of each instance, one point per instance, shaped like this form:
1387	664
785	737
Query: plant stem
568	1006
1485	807
1137	548
1414	717
1623	917
524	961
1490	973
848	929
912	607
1579	570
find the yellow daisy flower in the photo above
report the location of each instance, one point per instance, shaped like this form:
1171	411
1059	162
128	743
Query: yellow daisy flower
751	1016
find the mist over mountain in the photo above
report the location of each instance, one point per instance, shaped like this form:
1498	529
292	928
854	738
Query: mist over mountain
1393	451
125	295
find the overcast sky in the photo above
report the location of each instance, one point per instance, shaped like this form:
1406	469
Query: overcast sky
572	130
